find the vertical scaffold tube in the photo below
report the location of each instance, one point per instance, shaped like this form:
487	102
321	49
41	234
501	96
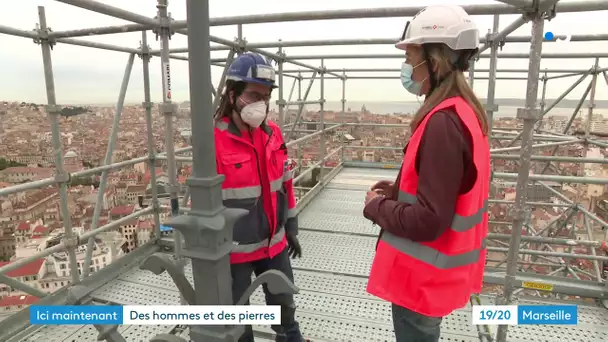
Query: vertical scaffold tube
168	110
529	114
150	134
53	112
107	161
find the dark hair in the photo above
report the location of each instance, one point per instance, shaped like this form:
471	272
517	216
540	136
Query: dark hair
226	107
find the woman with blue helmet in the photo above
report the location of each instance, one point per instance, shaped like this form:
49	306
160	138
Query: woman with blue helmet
252	156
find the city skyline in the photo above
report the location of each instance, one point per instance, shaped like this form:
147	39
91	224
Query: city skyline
85	75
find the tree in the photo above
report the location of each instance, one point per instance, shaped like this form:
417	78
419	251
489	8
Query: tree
86	181
8	163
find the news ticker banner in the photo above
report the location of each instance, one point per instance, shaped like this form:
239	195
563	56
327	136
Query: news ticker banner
156	314
525	314
265	314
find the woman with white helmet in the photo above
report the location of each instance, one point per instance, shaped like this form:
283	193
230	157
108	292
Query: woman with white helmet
433	218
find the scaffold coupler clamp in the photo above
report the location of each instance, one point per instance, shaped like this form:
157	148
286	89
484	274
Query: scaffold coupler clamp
43	36
144	51
63	177
280	53
164	25
551	12
71	242
241	45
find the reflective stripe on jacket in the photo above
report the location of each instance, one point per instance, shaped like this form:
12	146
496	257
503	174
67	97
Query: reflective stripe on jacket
257	178
438	277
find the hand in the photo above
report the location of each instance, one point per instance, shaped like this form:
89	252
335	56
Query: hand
371	195
384	188
294	249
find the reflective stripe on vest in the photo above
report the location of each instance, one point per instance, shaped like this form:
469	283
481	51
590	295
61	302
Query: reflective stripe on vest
460	223
256	190
430	255
250	248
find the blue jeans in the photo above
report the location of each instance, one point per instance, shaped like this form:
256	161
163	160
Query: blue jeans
411	326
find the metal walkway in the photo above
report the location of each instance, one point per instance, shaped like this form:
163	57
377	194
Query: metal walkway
332	304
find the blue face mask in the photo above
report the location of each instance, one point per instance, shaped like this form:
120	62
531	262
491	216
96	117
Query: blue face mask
406	79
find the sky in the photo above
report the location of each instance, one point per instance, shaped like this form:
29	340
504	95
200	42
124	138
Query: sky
92	76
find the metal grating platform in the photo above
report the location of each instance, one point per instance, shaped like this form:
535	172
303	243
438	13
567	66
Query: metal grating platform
332	304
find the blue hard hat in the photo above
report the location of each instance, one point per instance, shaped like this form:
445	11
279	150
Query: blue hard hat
252	68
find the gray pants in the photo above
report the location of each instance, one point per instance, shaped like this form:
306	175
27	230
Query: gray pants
411	326
289	330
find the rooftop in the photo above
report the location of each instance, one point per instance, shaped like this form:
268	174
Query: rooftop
29	269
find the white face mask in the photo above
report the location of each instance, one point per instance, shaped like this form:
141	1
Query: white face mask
254	114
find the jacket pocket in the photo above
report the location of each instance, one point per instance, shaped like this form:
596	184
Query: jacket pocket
247	229
238	169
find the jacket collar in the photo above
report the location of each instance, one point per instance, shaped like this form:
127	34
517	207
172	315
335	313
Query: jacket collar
233	129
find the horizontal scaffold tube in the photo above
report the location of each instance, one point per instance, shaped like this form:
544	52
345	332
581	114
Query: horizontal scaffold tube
557	71
553	241
380	77
401	56
551	254
373	41
553	158
82	240
84	173
315	165
391	12
141	19
532	204
307	137
553	178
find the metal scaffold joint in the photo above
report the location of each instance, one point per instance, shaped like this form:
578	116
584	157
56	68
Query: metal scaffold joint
43	36
52	109
167	108
241	45
491	107
280	54
63	177
165	23
528	113
494	39
147	104
144	52
551	13
71	242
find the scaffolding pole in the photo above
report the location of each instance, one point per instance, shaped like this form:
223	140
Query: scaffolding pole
168	109
62	177
529	114
147	104
108	160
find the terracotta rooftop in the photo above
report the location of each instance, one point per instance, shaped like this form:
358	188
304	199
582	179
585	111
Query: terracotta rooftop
23	226
122	210
40	229
144	225
18	300
26	270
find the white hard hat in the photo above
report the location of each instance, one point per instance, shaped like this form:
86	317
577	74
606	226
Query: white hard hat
447	24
